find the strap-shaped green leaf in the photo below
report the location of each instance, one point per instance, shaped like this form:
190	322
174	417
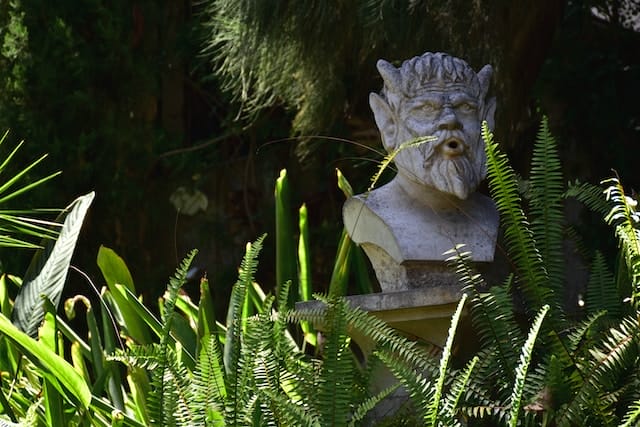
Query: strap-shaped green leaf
47	272
73	385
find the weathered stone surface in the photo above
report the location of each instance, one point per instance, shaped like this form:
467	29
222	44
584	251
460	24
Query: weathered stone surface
431	205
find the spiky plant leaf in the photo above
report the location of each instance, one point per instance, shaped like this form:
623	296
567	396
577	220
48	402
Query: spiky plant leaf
47	272
61	374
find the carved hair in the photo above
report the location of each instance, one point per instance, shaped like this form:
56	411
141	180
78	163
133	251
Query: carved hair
431	69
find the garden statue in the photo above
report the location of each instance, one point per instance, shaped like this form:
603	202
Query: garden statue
431	205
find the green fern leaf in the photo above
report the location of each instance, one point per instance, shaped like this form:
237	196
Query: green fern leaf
336	372
624	217
209	383
47	272
590	195
523	368
616	355
602	292
522	248
237	371
454	396
547	187
491	315
632	415
432	416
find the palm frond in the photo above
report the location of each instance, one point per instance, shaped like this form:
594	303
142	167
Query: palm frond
47	272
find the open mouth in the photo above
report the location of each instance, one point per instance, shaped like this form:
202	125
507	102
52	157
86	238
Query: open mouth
452	146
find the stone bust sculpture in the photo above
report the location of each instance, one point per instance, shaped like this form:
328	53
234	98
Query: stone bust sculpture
431	204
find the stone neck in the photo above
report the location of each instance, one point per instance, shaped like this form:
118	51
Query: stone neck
425	195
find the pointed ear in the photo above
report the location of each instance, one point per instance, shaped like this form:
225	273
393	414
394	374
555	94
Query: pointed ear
488	113
484	76
489	110
385	120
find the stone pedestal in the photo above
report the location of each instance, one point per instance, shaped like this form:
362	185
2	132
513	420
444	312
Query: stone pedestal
419	314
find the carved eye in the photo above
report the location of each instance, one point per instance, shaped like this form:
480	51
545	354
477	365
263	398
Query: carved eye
429	108
466	107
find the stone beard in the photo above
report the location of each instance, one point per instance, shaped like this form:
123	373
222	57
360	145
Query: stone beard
440	96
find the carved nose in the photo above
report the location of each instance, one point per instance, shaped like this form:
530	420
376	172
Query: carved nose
449	120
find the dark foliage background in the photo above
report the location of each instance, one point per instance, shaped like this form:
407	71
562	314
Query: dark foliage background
133	99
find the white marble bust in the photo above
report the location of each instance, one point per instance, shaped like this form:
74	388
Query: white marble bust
431	204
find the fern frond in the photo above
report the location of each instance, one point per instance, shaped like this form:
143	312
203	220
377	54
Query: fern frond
418	386
148	356
361	411
631	415
624	217
337	370
175	284
617	354
169	395
546	189
588	194
209	381
233	364
602	292
458	388
578	336
519	239
492	317
431	417
523	368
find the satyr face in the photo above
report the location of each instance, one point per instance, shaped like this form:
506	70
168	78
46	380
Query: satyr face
440	96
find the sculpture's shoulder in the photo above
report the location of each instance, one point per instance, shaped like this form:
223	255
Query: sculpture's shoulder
366	219
408	230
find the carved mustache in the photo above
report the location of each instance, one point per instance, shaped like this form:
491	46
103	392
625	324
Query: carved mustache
448	143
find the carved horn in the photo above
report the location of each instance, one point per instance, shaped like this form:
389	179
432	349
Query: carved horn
390	74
